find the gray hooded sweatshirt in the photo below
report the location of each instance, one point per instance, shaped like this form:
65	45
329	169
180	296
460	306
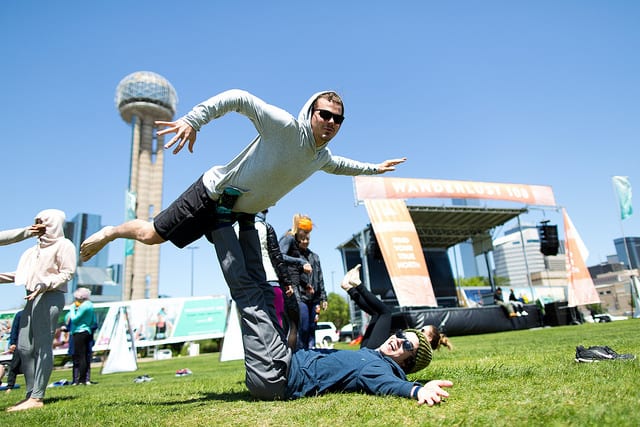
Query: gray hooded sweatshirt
282	156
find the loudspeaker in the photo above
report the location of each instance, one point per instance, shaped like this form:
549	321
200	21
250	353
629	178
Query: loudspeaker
557	314
548	239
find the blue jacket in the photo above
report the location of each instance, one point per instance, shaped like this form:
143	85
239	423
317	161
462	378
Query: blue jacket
314	372
82	318
15	329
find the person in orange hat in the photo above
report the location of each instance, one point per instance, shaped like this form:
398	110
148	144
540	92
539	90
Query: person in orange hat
306	272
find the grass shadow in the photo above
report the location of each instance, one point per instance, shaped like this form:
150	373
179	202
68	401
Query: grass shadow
228	397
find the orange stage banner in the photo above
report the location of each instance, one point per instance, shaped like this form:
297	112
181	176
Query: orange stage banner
372	187
582	291
400	246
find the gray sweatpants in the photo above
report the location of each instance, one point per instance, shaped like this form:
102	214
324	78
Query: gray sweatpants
267	356
35	342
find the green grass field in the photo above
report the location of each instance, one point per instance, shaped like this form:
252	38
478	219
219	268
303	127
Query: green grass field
518	378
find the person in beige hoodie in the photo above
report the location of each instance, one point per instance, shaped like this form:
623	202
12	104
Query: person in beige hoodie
44	270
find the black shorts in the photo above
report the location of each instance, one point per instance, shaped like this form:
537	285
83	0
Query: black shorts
188	218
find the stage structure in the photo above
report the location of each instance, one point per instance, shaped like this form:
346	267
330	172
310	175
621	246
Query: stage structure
142	98
404	256
438	228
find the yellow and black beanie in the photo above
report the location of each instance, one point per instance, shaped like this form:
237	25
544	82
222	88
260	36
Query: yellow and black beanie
424	353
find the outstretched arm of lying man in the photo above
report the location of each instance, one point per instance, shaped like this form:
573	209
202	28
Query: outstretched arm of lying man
432	392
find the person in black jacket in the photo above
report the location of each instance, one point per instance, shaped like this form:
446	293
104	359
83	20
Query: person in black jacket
294	248
315	297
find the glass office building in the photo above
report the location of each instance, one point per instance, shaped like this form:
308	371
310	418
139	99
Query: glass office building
629	256
102	279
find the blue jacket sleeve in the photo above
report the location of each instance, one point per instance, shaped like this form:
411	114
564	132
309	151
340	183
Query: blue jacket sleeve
286	242
376	378
15	329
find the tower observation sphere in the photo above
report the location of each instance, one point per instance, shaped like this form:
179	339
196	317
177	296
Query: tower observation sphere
146	93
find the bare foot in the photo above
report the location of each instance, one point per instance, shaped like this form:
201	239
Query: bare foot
94	243
30	403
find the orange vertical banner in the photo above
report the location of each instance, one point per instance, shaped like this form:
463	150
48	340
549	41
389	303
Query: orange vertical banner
402	252
582	291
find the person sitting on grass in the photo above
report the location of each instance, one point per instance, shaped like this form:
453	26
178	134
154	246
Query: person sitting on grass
274	371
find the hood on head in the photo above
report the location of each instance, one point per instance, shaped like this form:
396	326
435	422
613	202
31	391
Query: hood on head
305	112
54	220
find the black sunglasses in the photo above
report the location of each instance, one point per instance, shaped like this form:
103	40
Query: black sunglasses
327	115
406	344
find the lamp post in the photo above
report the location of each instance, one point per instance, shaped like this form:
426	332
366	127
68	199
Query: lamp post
192	249
333	283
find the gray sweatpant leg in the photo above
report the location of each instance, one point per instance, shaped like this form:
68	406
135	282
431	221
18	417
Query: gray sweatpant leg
35	342
267	356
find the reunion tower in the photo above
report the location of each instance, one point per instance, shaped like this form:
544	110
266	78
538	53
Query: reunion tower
142	98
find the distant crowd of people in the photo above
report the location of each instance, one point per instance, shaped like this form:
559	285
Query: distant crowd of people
514	307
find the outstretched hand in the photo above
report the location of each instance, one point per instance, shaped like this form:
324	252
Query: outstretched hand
37	230
389	165
184	133
432	392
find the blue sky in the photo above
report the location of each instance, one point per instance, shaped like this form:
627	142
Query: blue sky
542	92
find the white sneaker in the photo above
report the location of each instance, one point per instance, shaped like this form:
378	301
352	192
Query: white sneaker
351	279
524	313
143	379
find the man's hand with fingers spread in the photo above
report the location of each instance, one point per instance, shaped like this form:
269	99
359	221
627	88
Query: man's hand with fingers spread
432	392
183	133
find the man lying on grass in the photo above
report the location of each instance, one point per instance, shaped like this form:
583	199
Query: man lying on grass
275	372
